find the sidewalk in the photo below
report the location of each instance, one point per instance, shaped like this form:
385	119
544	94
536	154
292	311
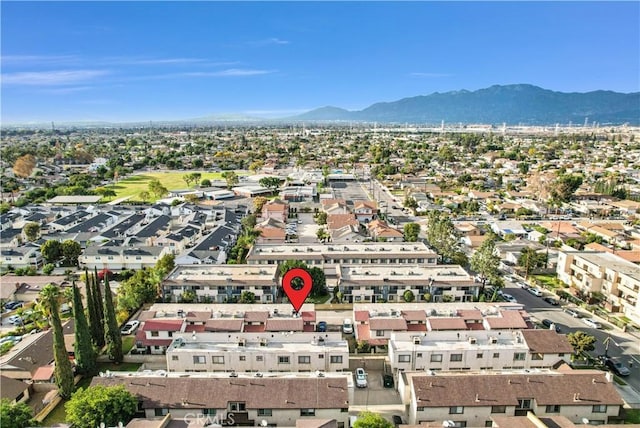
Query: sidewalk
630	396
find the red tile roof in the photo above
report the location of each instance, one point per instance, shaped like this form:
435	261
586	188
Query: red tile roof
255	328
224	324
284	324
194	327
506	319
547	342
416	327
256	316
308	316
446	324
394	324
470	314
162	325
414	315
361	316
43	373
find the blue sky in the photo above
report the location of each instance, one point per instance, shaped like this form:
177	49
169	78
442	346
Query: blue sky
126	61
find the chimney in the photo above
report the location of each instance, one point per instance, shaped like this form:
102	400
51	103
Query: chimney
509	381
608	376
576	396
477	398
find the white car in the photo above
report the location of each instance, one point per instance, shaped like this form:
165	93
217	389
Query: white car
361	378
130	327
347	326
592	323
15	319
509	298
535	291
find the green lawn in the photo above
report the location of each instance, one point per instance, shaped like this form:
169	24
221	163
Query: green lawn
132	186
548	281
127	343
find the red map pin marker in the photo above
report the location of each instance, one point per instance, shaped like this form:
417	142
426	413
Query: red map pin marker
297	296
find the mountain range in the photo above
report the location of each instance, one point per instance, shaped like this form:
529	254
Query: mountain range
511	104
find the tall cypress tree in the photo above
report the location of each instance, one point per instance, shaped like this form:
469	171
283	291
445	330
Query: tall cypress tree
98	309
63	373
84	352
112	335
91	315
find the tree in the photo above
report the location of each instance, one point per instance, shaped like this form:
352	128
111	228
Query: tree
157	189
319	286
258	203
49	301
270	183
105	192
486	262
563	187
95	320
112	336
18	415
144	196
188	178
90	407
410	202
48	268
581	342
411	232
51	251
71	250
83	348
247	297
231	178
321	218
256	166
442	237
408	296
530	259
24	165
31	231
205	183
166	263
371	420
140	288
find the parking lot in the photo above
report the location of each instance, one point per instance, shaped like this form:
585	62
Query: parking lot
375	393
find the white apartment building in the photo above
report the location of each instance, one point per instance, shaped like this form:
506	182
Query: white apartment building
240	399
328	256
472	399
259	352
450	350
117	258
606	273
375	283
222	283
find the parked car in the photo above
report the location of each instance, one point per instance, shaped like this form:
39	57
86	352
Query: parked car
551	301
535	291
12	339
347	326
523	285
509	298
321	326
15	319
548	323
361	378
572	312
617	367
592	323
13	305
130	327
387	380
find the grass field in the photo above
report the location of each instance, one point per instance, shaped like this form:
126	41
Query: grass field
132	186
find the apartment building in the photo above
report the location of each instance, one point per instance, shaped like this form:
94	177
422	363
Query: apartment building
473	399
117	258
259	352
389	283
449	350
606	273
329	257
222	283
375	323
240	399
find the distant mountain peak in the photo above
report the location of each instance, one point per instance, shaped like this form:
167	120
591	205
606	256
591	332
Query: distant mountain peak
519	103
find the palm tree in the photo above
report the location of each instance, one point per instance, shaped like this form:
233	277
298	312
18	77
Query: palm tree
50	297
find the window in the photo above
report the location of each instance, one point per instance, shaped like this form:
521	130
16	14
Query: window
536	356
217	359
170	334
259	357
419	355
174	358
161	412
155	333
304	359
420	409
243	358
498	409
600	408
456	410
404	358
210	412
479	355
553	409
336	359
264	412
455	357
237	406
519	356
436	358
321	356
307	412
379	333
283	360
496	355
524	403
488	423
199	359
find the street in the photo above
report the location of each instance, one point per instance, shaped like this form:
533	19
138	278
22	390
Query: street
622	345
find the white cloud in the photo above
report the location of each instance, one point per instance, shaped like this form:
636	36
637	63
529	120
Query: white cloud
430	75
51	78
38	59
66	90
269	41
231	72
